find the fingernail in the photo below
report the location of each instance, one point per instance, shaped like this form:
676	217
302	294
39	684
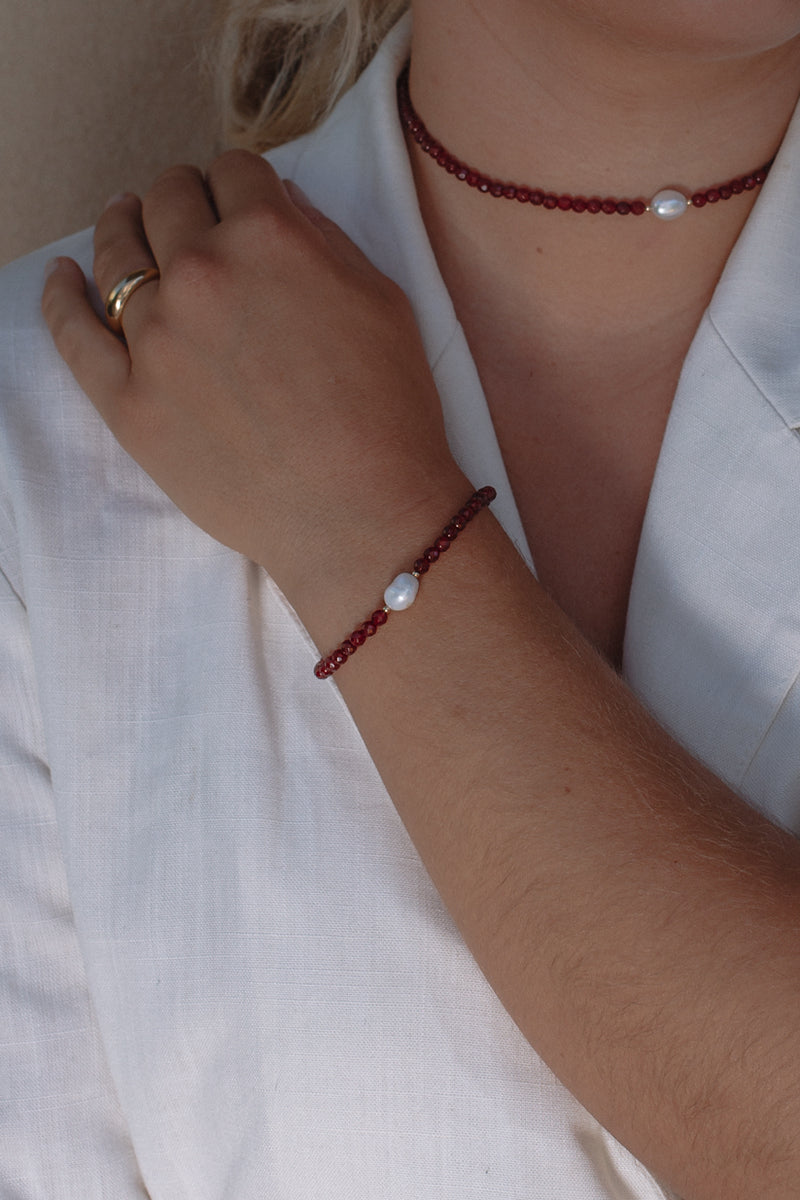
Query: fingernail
52	265
116	199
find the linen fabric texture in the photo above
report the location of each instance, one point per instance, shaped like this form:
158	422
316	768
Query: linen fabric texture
225	973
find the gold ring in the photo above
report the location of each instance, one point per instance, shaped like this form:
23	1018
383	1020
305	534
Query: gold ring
119	296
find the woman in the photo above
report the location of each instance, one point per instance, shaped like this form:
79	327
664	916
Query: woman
274	1000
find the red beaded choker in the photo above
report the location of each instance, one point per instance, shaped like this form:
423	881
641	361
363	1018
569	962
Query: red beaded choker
667	204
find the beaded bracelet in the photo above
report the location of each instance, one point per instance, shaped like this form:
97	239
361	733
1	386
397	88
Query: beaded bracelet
402	591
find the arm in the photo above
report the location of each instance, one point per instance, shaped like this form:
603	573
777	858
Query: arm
637	920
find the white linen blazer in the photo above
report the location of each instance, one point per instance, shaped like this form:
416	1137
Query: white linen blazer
225	973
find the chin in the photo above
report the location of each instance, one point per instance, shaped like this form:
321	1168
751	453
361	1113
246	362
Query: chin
710	29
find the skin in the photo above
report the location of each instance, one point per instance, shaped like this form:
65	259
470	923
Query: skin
637	920
578	350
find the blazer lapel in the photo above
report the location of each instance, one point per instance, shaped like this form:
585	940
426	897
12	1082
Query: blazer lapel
713	636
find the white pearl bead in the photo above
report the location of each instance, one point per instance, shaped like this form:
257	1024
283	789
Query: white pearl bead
668	204
401	592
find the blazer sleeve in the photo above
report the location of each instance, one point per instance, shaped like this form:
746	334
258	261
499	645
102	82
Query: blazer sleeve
62	1133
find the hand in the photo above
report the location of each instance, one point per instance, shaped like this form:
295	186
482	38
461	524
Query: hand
272	382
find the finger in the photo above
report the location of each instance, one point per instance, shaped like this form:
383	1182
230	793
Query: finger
120	248
239	181
98	360
176	211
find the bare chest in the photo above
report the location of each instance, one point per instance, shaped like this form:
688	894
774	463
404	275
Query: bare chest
581	467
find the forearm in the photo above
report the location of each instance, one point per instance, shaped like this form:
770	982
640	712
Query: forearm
637	920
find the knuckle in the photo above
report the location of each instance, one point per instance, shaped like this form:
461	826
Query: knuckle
178	173
265	227
262	221
174	179
231	160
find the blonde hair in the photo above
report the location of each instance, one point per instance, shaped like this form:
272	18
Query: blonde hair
283	64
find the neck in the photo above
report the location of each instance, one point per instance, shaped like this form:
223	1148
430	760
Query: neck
526	91
532	91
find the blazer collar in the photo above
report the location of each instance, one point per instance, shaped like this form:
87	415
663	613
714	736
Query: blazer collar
756	306
713	634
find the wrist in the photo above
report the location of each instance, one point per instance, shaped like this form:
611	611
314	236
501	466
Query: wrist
402	591
360	545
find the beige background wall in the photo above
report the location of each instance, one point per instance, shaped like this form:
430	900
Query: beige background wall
96	96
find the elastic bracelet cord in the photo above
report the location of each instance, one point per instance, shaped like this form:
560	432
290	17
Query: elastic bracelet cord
402	591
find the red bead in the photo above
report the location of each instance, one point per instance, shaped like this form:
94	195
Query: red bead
478	500
526	195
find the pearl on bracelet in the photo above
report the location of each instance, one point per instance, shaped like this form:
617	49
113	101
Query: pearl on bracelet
401	592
